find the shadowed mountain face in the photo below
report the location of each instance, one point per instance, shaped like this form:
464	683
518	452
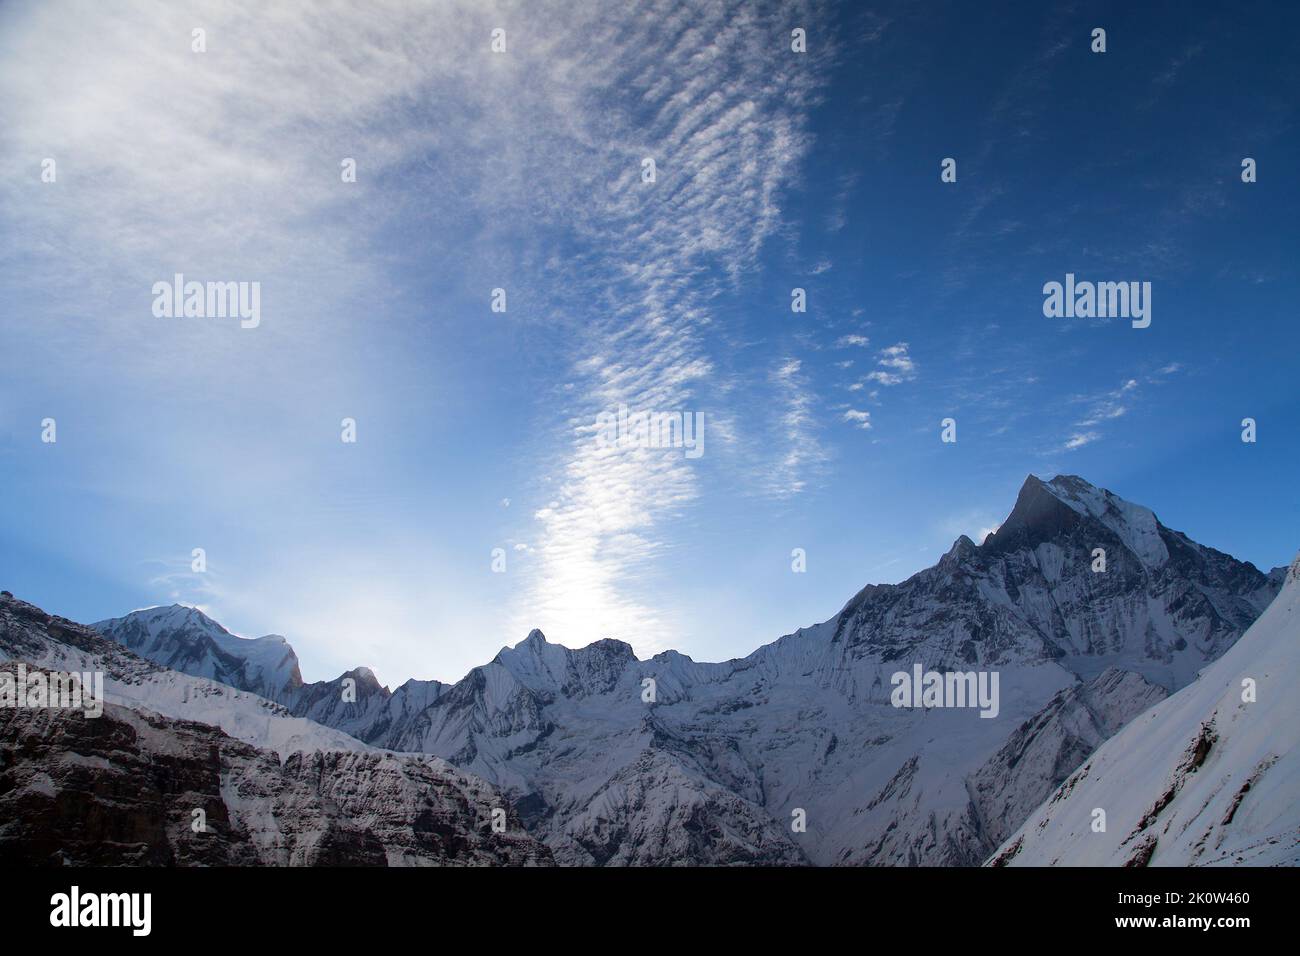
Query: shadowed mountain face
795	753
1052	743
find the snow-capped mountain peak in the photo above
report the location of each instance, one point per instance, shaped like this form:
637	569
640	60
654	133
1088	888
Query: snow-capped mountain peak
548	668
1047	509
1133	524
185	639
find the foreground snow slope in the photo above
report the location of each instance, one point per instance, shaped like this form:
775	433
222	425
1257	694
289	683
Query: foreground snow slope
1203	778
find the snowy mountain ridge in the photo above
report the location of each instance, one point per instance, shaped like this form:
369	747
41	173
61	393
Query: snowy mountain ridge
185	639
721	761
276	789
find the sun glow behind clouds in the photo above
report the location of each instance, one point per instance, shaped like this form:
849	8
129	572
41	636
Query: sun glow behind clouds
726	134
523	170
224	165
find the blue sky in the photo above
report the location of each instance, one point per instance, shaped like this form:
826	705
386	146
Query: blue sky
522	170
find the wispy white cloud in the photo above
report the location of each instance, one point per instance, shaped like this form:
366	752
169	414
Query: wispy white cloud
1103	408
859	418
802	453
894	366
726	134
178	582
1105	414
225	165
896	357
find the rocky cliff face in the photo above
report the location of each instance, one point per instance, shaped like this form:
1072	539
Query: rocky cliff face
123	787
795	752
1044	749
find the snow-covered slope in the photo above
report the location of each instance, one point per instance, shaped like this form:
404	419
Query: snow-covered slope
185	639
29	634
1205	778
803	728
276	789
123	788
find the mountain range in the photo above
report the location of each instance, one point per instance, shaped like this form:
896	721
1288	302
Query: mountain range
1090	612
172	752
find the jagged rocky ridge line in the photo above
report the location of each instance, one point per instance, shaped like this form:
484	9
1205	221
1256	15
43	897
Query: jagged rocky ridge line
274	789
715	769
